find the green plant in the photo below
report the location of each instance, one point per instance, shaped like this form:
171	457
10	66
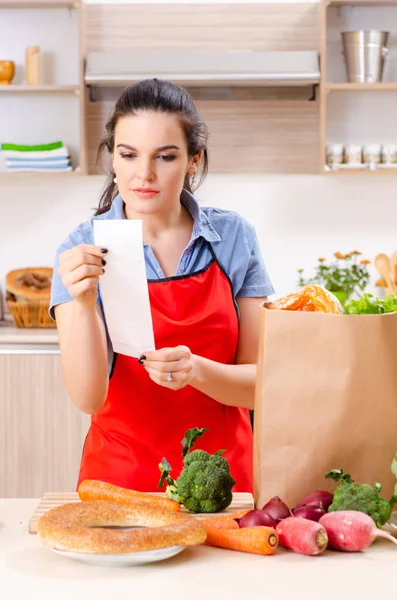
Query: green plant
346	274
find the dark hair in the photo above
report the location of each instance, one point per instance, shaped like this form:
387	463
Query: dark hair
156	95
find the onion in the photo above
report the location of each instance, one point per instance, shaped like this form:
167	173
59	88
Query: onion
255	518
312	512
277	509
320	497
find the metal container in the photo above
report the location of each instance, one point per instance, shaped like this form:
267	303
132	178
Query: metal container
365	53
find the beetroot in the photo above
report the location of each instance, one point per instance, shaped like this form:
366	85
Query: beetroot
313	512
256	518
351	530
277	509
319	497
302	535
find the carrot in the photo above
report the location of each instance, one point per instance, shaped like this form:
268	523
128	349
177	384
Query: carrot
224	521
258	540
92	489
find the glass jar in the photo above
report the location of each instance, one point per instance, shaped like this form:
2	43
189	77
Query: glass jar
352	154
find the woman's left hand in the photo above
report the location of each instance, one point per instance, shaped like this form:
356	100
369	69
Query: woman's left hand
173	368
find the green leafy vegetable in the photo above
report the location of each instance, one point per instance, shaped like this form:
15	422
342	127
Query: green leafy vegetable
362	497
205	483
370	305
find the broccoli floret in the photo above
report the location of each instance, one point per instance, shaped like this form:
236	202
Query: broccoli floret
362	497
205	483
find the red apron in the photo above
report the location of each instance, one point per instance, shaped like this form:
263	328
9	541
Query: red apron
142	422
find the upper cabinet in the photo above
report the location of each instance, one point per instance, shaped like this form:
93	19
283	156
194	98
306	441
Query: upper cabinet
359	87
46	109
250	69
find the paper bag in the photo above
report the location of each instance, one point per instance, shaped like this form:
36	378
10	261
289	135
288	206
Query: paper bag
326	398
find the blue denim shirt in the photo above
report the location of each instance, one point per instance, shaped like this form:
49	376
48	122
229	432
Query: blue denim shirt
232	238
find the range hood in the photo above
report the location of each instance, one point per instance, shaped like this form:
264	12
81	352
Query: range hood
204	68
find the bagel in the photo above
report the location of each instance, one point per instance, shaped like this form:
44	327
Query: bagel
86	528
31	283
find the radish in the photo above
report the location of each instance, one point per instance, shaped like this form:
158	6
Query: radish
302	535
351	530
319	497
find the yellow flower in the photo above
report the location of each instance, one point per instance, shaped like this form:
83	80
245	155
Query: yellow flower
380	283
322	259
365	261
356	252
339	255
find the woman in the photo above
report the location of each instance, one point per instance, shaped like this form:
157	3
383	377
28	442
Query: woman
206	279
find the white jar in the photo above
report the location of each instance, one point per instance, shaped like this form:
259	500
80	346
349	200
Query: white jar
389	154
334	154
352	154
372	154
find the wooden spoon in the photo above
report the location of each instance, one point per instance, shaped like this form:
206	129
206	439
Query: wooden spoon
383	264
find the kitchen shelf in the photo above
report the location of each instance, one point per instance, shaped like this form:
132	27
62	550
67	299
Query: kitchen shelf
7	175
39	89
375	3
361	87
360	172
38	4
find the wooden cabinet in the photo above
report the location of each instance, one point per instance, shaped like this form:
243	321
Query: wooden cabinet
41	432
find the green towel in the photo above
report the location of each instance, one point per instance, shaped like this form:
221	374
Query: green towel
38	148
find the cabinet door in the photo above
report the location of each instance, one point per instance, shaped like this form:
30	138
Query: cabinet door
41	432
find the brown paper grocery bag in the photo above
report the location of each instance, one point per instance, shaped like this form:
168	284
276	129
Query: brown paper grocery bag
326	398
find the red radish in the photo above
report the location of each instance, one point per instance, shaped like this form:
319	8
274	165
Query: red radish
319	497
351	530
313	512
277	509
302	535
256	518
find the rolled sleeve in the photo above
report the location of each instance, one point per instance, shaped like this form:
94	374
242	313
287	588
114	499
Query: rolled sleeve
256	281
59	293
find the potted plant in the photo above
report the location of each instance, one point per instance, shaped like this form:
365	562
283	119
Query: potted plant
344	276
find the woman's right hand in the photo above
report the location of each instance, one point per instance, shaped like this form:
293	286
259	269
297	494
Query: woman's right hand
80	269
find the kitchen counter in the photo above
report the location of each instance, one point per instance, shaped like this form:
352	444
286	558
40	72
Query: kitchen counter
10	334
27	568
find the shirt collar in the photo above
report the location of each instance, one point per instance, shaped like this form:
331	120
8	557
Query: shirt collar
202	226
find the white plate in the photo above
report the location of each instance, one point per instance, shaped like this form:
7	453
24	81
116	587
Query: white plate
123	560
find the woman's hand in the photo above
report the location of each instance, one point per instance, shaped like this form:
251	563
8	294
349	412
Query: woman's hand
80	269
179	361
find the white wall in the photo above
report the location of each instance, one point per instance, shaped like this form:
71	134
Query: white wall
297	218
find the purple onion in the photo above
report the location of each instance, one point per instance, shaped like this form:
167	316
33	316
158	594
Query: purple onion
319	497
277	509
255	518
312	512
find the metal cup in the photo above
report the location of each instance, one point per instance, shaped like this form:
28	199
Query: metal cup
365	53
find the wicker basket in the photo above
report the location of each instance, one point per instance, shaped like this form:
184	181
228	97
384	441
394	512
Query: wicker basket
31	314
29	305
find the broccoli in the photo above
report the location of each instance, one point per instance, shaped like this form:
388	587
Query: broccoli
205	483
364	498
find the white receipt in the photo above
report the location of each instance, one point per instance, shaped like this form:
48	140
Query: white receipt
124	287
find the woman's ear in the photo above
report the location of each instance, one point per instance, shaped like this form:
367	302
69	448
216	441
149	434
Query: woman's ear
195	162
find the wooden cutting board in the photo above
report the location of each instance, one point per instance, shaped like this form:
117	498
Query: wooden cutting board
241	501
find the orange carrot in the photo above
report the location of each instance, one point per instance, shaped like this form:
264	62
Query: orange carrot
258	540
224	521
92	489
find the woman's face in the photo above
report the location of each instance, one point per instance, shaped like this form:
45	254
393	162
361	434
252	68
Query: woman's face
150	160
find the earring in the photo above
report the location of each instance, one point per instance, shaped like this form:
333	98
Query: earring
115	179
192	176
